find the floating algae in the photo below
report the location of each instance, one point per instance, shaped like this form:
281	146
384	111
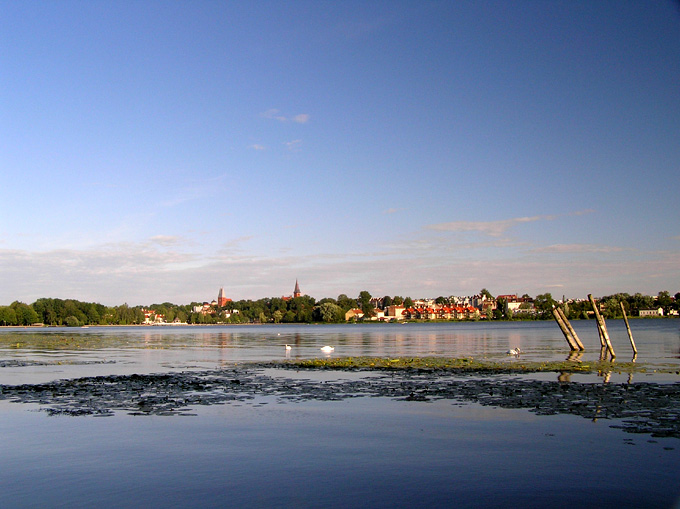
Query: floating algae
639	408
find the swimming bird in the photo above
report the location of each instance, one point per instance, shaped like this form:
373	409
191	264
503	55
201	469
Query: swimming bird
514	351
288	347
327	349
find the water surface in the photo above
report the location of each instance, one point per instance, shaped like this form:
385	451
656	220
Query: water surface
369	450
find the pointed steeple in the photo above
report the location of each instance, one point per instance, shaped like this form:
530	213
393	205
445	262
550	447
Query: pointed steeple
297	292
222	298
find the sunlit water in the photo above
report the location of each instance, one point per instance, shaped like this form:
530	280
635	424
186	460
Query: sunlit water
362	452
125	350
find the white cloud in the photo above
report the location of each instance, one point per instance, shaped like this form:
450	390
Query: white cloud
274	114
302	118
293	145
256	146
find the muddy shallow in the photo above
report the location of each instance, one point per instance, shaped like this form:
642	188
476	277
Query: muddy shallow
642	407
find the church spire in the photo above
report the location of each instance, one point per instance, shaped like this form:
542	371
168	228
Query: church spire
296	292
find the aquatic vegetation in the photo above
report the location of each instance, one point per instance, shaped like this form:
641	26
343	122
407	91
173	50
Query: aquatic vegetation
463	365
637	407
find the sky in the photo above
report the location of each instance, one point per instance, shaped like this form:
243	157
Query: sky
156	151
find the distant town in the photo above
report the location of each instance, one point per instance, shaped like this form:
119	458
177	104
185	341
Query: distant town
300	308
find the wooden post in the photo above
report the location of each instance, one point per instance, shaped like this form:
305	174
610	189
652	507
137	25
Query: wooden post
630	334
602	326
600	335
571	329
565	330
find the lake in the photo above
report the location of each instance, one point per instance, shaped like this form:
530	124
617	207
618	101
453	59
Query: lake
176	417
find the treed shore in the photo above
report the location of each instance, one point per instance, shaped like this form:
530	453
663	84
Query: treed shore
305	309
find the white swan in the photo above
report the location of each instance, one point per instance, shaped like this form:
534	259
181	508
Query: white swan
514	351
288	347
327	349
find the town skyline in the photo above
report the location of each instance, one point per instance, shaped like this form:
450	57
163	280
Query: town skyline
152	152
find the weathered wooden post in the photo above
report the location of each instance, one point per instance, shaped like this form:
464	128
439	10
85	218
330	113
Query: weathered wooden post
603	345
630	334
603	327
571	329
564	329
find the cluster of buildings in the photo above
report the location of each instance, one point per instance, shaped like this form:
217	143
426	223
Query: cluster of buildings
454	308
436	312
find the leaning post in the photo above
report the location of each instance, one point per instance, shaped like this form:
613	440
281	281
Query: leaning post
564	329
571	329
630	334
603	327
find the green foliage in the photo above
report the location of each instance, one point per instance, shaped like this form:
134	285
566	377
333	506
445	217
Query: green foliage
72	321
25	314
486	293
302	309
346	303
7	316
544	304
364	301
330	313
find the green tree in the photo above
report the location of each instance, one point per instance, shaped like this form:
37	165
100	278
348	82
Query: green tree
345	302
24	313
544	304
7	316
398	300
486	293
408	302
664	300
72	321
364	301
387	301
501	309
330	312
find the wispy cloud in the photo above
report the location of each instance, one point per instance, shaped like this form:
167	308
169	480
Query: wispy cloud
166	240
498	228
391	211
274	114
293	145
256	146
492	228
579	248
234	245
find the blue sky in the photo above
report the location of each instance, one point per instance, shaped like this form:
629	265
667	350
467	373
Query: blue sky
156	151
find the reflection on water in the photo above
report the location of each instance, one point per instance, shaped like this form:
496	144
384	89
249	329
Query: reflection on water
354	452
122	350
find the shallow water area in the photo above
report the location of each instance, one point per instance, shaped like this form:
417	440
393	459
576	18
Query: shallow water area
187	416
42	354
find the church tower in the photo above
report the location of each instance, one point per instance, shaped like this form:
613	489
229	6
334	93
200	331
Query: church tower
222	299
296	292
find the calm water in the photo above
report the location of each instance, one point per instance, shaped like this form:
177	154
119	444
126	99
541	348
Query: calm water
127	350
352	453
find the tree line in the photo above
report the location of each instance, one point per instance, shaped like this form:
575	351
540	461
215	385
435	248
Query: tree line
304	309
